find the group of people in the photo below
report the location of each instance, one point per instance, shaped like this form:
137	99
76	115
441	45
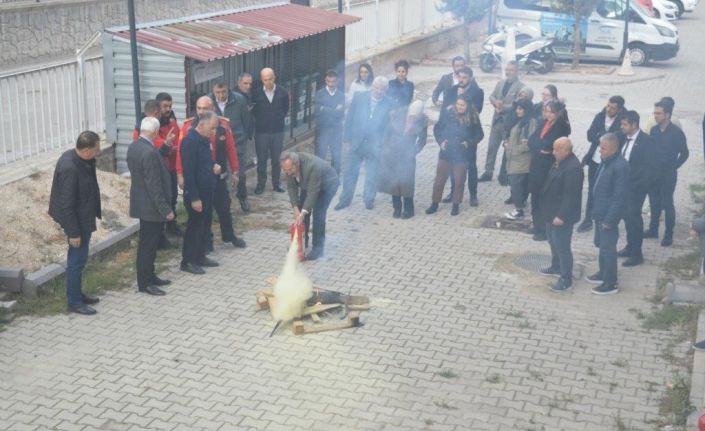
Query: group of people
384	128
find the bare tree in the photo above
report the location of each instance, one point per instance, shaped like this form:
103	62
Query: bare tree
578	9
468	11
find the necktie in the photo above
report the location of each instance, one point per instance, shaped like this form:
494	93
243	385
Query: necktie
626	147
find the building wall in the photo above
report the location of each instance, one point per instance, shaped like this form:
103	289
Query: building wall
33	33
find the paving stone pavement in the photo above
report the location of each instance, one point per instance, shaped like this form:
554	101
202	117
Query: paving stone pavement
459	338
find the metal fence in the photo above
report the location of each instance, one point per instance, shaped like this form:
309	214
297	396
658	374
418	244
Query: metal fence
386	21
45	108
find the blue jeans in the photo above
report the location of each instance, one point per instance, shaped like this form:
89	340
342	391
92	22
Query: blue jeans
606	241
75	262
355	158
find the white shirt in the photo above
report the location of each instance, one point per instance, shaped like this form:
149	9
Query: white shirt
270	94
221	106
608	123
629	145
332	93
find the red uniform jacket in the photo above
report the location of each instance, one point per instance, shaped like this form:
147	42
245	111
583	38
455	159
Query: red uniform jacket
224	134
166	126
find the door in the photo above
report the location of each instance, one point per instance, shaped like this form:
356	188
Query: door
605	30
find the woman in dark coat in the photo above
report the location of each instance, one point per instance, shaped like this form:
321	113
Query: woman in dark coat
405	137
458	134
552	127
401	90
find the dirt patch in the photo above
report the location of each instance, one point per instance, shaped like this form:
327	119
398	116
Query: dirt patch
30	239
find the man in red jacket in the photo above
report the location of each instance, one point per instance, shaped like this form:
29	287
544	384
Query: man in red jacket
167	142
224	153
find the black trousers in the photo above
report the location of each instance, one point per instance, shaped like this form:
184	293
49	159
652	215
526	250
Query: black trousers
559	238
242	175
330	139
634	223
150	233
661	198
197	229
320	211
591	177
268	146
221	205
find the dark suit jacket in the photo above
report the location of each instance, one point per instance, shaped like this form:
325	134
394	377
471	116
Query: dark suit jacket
597	129
269	116
473	94
315	175
444	83
150	189
643	163
562	193
363	126
610	191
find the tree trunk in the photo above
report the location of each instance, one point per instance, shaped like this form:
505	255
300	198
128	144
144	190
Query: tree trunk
466	48
577	43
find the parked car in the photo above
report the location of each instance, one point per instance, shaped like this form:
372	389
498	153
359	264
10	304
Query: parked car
684	5
665	9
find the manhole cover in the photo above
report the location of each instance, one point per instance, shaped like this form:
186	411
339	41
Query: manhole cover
494	222
533	262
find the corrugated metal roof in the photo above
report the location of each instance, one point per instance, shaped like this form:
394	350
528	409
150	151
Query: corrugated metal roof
230	34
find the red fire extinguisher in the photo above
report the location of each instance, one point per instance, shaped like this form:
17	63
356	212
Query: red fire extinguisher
297	229
701	423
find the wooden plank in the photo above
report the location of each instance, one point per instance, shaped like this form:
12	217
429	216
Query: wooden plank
315	318
319	308
352	322
298	327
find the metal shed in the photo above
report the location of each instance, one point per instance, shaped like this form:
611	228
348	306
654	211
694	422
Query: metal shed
184	57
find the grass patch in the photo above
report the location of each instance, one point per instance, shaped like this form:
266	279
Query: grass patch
493	378
675	406
685	266
444	405
448	374
536	375
620	363
515	313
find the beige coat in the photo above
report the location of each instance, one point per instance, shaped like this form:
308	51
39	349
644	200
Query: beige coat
517	153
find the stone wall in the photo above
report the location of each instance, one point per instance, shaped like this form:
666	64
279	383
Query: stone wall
35	33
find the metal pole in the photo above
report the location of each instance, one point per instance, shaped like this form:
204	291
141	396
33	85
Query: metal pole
340	6
135	65
625	39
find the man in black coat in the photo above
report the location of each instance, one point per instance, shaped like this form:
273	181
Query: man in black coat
271	105
639	151
365	125
200	177
607	120
448	80
74	203
234	106
561	198
329	110
610	197
671	152
150	197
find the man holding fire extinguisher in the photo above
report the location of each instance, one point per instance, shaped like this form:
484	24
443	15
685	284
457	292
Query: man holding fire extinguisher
312	183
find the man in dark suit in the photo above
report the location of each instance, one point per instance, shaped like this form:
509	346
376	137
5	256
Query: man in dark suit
607	120
200	177
639	151
271	105
74	203
610	190
365	124
561	198
466	88
448	80
502	99
150	197
312	184
671	152
329	110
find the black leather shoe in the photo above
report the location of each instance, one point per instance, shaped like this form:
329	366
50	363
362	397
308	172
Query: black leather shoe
633	261
667	240
508	201
259	189
239	243
341	205
650	234
83	309
90	299
192	268
432	209
245	205
156	281
208	263
455	210
484	177
315	253
278	189
396	213
448	199
623	252
369	205
474	202
584	226
152	290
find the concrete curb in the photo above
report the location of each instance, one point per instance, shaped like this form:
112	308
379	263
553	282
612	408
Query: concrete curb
11	279
697	379
33	282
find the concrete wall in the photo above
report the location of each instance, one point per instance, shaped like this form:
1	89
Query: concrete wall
34	33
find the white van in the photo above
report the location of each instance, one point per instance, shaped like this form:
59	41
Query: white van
602	32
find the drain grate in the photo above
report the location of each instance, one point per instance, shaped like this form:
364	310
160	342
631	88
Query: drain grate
494	222
533	262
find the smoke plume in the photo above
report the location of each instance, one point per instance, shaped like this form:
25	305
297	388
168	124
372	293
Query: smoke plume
293	287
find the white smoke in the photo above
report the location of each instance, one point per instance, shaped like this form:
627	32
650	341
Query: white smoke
293	287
